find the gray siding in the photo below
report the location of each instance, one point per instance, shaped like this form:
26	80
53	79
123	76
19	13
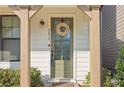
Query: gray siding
112	33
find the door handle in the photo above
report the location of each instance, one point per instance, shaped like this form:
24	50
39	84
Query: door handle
52	56
48	45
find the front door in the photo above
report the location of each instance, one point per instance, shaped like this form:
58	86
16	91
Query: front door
62	48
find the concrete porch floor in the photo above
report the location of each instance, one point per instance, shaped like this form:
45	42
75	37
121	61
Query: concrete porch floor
65	84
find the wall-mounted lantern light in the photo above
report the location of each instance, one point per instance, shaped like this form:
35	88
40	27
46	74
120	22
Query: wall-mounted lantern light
42	22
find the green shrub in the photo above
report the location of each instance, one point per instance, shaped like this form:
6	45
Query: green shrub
119	67
11	78
88	79
107	77
117	79
86	83
35	77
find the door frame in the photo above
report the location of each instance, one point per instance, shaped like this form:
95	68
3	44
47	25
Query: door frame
66	15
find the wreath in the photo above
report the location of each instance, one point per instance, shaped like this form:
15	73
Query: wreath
62	29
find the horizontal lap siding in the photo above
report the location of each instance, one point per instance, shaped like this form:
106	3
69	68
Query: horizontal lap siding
41	60
83	64
120	23
112	33
13	65
40	54
82	48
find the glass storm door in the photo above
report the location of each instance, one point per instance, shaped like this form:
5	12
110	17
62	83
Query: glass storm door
61	47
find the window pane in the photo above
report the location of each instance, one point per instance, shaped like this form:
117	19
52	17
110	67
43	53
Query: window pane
6	32
11	50
16	33
6	21
16	22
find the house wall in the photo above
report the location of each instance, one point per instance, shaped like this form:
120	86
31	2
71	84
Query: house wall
40	52
112	33
0	41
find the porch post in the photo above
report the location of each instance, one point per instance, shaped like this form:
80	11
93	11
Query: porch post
95	67
25	49
25	12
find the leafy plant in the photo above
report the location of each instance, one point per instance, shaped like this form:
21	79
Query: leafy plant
107	77
115	79
35	77
11	78
87	80
119	67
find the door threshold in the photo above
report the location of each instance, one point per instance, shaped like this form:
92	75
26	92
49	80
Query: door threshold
62	80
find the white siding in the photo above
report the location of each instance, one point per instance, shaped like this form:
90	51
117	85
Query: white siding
83	64
13	65
82	34
40	60
0	55
82	48
40	54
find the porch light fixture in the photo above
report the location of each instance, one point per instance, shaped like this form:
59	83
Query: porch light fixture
42	22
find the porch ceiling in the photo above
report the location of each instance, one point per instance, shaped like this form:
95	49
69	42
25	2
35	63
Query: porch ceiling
33	7
30	7
86	9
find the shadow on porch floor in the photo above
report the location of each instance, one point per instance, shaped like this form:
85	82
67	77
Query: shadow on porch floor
65	84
